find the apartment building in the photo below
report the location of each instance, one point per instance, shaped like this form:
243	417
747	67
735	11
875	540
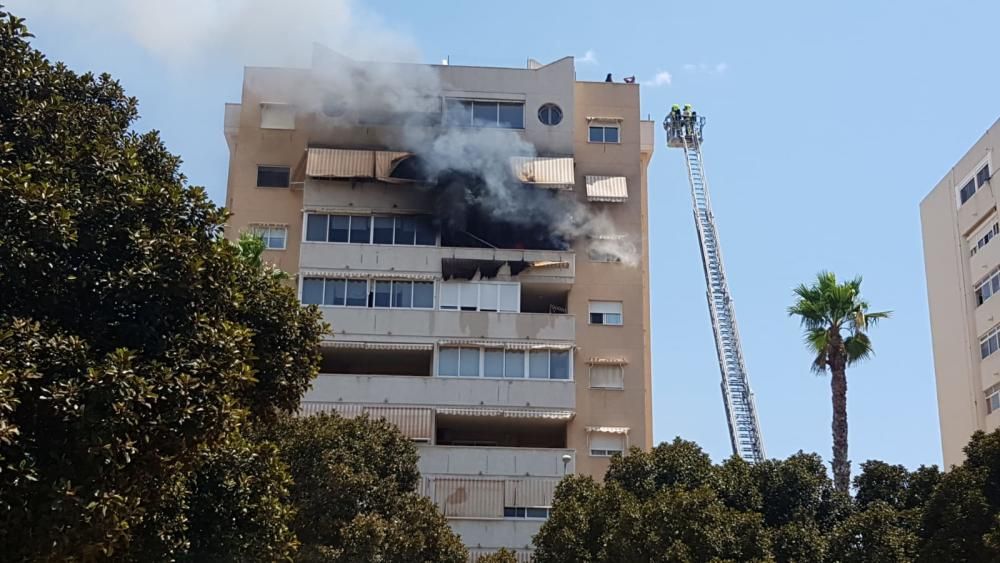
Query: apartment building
499	315
962	263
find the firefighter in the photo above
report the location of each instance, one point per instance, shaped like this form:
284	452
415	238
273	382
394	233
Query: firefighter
675	118
686	120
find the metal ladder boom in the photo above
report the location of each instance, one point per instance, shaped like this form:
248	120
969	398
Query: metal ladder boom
741	409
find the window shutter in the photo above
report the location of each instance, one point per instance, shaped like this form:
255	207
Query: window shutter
607	377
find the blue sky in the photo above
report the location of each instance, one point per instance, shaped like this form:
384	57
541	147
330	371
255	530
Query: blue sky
826	126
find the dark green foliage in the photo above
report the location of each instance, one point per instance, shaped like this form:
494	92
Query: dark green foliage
504	555
354	492
133	338
672	504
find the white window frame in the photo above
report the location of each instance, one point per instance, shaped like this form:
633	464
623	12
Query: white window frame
605	452
992	398
618	367
987	161
480	287
370	292
265	232
472	112
371	229
987	281
547	509
526	371
590	311
994	335
989	232
604	125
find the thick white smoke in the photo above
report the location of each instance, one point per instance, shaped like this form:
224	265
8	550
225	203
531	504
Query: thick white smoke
343	87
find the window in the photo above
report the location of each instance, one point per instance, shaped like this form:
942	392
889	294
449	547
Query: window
983	238
988	287
481	113
966	192
990	342
481	296
983	175
541	512
274	237
993	402
606	313
273	176
607	377
550	114
397	294
406	230
606	444
603	134
501	363
277	116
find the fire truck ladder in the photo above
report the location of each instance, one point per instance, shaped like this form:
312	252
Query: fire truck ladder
741	409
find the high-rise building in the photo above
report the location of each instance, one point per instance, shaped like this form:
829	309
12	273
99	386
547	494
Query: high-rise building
477	240
962	263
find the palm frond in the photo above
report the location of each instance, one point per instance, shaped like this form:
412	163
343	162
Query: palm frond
858	347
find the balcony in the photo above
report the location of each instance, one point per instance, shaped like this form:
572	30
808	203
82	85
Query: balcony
231	124
438	391
553	265
492	461
430	326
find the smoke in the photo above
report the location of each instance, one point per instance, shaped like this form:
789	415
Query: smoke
476	191
196	33
469	168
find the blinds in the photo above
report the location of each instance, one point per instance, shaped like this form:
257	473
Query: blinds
606	443
529	492
607	376
614	307
471	498
415	423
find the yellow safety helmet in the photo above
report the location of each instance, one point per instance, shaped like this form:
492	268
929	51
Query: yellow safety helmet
687	107
675	106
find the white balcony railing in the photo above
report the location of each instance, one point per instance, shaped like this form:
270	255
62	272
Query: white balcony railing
414	325
443	391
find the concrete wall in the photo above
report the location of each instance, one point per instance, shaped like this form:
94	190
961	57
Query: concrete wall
632	406
389	325
443	391
494	534
500	462
956	321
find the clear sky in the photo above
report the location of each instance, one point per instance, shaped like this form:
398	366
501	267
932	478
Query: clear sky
827	124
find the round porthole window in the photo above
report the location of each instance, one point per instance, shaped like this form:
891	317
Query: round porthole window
550	114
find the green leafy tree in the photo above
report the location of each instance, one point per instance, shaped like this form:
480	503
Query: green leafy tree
876	534
133	338
503	555
826	309
353	488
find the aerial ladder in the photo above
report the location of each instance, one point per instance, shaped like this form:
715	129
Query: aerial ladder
684	131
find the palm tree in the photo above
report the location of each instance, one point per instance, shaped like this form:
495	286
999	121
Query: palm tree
825	308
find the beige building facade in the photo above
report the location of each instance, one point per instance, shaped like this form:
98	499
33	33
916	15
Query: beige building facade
477	240
962	261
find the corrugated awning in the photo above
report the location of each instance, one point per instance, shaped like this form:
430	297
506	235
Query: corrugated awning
599	361
607	188
340	163
606	118
386	162
359	274
405	346
507	413
509	345
544	172
609	429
